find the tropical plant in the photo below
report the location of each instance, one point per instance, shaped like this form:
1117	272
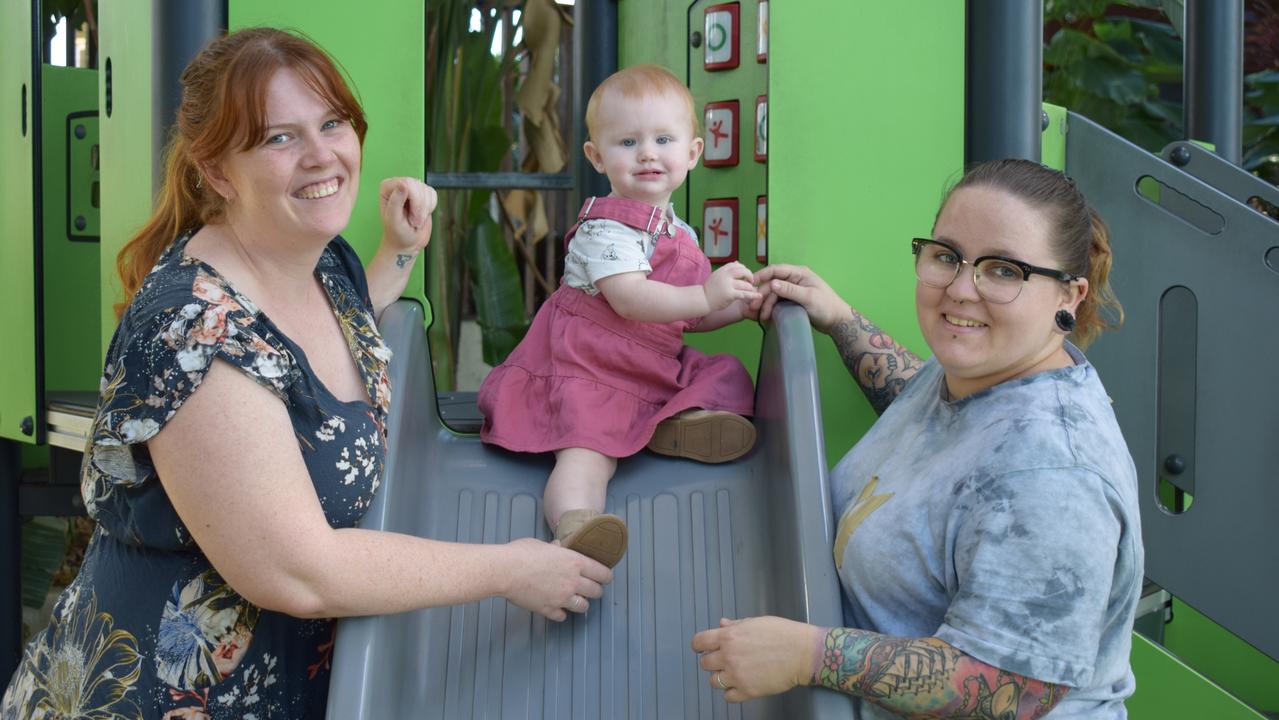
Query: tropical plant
1120	64
466	133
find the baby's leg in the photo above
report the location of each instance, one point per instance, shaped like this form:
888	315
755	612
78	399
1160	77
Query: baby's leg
579	481
574	503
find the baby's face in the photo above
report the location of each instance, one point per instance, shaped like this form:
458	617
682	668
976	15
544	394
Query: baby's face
645	145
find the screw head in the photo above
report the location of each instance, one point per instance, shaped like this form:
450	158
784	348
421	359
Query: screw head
695	39
1044	122
80	222
80	132
27	426
1175	464
1180	155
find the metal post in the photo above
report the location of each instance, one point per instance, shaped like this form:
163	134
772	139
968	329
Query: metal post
10	560
1213	73
180	30
594	58
1003	70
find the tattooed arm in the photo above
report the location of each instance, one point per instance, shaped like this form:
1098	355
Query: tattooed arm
912	677
880	366
406	205
928	677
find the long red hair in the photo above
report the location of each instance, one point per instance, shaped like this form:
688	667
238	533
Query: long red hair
224	110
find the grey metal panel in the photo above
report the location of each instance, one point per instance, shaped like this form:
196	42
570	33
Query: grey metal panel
181	30
1218	172
1219	555
745	538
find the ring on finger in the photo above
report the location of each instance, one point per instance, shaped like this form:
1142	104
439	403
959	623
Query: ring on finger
580	602
719	680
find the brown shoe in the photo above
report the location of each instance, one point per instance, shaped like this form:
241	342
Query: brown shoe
709	436
598	536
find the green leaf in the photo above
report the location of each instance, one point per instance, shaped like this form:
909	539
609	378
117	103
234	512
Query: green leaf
1176	12
44	544
496	288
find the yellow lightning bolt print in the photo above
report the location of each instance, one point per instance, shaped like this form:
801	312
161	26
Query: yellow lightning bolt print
865	504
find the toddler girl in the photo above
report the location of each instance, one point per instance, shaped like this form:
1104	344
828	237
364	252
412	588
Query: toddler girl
603	371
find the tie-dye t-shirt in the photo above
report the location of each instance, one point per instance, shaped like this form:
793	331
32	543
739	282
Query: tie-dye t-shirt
1005	523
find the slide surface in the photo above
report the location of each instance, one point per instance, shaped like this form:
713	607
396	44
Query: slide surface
745	538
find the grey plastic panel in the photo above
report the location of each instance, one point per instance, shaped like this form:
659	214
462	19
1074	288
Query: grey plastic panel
1219	555
1219	172
746	538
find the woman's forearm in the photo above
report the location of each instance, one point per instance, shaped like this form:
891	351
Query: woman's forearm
928	678
880	365
388	275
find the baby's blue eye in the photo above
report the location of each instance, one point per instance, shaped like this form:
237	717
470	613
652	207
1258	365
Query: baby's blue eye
663	139
628	142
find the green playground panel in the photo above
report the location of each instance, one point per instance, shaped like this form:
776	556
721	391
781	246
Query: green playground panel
382	49
72	325
1168	688
17	248
1245	672
125	129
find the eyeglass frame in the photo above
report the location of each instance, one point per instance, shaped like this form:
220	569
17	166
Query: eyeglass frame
917	245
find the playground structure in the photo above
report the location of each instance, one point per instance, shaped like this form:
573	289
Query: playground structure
870	126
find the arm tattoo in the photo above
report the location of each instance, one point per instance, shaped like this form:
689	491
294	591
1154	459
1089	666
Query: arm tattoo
401	260
928	677
880	365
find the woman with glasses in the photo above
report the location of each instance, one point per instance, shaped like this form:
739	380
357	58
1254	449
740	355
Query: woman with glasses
989	542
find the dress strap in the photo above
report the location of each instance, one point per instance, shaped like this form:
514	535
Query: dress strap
639	215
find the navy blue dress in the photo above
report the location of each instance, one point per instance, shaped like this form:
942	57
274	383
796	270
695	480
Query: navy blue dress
149	629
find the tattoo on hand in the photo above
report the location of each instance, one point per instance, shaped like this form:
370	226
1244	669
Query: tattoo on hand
883	369
401	260
928	677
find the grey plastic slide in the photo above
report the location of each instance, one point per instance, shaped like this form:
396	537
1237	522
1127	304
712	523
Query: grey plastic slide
746	538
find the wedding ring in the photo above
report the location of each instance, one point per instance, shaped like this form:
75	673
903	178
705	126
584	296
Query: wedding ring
719	680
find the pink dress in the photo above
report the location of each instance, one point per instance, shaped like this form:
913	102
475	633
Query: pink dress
586	377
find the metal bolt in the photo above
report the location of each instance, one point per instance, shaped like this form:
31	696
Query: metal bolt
1180	155
80	132
80	222
1044	122
1175	464
695	39
28	426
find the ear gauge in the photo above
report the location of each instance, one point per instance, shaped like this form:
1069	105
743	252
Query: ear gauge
1065	321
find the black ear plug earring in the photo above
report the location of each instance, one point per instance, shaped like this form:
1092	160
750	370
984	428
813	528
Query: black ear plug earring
1065	321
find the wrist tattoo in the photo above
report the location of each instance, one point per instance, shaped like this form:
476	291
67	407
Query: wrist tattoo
401	259
880	366
927	676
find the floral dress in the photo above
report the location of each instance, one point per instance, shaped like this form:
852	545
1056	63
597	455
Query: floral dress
149	629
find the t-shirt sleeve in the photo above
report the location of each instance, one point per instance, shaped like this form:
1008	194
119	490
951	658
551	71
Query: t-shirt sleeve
605	248
1035	561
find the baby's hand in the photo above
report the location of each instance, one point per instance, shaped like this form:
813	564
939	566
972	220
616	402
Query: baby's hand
729	283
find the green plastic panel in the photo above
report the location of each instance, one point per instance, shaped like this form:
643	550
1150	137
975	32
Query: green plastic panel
72	326
1053	145
124	38
866	133
1168	688
18	392
1214	651
382	47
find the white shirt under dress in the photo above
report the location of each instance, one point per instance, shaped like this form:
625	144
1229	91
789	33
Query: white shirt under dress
602	247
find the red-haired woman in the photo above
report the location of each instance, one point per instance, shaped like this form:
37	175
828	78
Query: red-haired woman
226	517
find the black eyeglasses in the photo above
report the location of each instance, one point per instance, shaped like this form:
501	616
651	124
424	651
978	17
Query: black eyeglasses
998	279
